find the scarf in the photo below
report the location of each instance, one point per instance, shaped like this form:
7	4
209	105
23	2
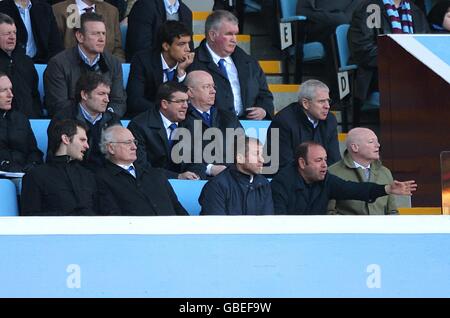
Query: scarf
401	19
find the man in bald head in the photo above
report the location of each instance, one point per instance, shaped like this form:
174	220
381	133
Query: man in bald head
361	163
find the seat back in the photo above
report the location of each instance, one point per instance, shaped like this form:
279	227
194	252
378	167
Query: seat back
123	33
40	69
256	128
342	44
188	192
8	198
125	74
288	8
39	127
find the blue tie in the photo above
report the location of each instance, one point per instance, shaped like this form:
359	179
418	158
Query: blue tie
131	171
206	118
169	74
222	67
172	128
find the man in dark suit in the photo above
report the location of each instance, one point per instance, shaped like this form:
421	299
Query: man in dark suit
202	115
61	186
241	83
92	97
144	21
68	14
156	131
65	68
127	188
38	35
309	119
304	187
20	70
150	68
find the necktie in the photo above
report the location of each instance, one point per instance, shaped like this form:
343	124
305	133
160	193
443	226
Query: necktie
222	67
367	174
88	9
131	171
206	118
169	74
172	128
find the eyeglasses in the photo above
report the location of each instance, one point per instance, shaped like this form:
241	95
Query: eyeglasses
128	142
178	101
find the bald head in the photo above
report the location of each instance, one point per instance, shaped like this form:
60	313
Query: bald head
363	146
202	92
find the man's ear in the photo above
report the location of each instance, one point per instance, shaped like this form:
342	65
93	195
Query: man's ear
301	163
110	149
240	158
305	103
83	95
165	46
164	104
355	147
79	36
65	139
212	35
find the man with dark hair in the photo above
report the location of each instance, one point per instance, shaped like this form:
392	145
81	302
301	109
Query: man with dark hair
150	68
128	188
145	19
239	189
68	14
20	70
156	130
18	148
241	83
37	31
61	186
304	187
309	119
92	98
64	70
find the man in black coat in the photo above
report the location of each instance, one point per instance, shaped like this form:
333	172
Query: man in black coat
144	21
46	37
20	70
18	148
308	120
239	189
241	83
156	131
362	40
61	186
305	187
92	97
127	188
150	68
202	115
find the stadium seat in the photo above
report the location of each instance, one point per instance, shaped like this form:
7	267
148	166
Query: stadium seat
125	122
125	74
188	192
39	127
123	32
256	128
40	68
8	198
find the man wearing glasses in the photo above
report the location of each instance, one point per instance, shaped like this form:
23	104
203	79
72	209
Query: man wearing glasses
92	98
156	128
129	188
309	119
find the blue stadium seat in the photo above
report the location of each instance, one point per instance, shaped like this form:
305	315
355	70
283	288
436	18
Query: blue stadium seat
256	128
39	127
125	122
125	74
123	32
188	192
8	198
40	68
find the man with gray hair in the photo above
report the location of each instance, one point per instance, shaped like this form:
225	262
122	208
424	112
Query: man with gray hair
241	83
127	188
361	163
309	119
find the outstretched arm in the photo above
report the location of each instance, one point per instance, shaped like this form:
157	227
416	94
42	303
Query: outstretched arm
401	188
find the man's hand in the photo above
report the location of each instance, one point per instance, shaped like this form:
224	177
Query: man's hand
255	113
188	176
216	169
401	188
182	66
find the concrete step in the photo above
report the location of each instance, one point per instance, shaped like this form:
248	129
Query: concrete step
198	21
197	5
283	95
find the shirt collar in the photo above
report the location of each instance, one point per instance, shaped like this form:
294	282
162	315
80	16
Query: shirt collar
314	122
171	9
357	165
88	116
216	58
28	7
86	59
126	166
165	66
166	122
82	5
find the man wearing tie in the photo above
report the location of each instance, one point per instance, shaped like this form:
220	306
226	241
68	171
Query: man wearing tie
127	188
241	83
361	163
150	68
155	130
